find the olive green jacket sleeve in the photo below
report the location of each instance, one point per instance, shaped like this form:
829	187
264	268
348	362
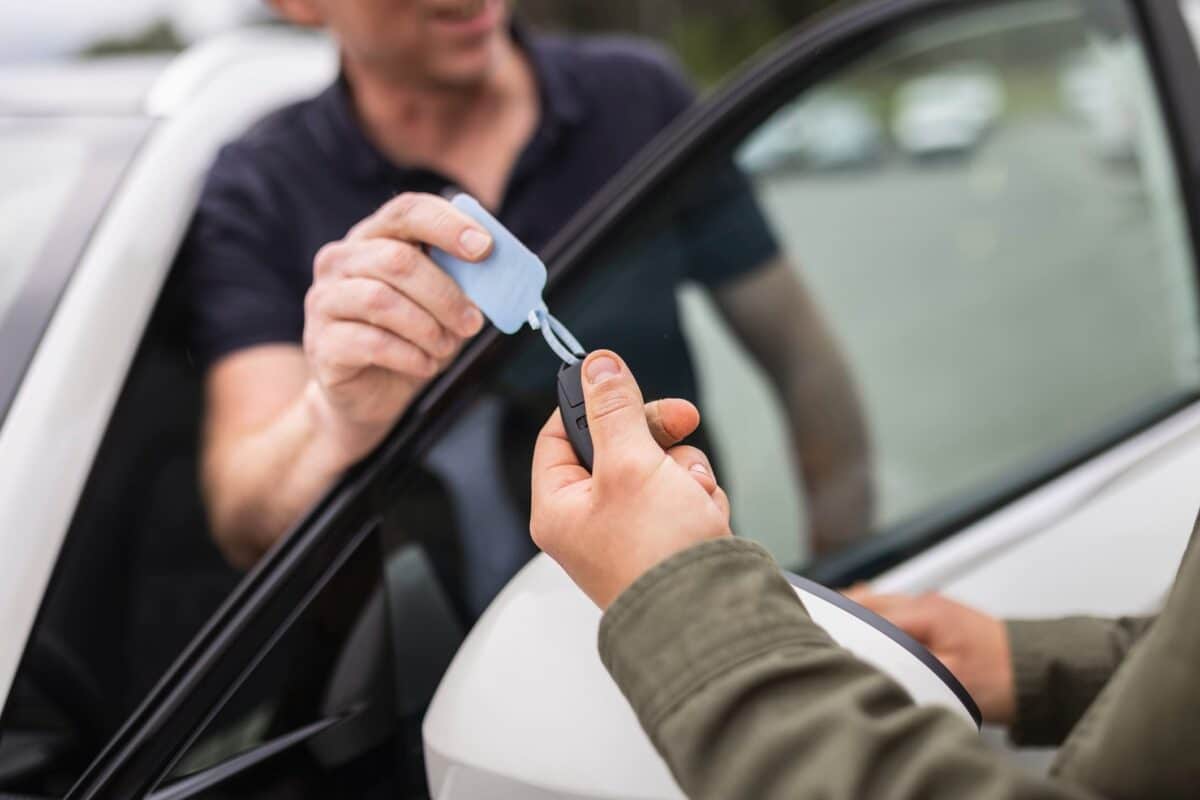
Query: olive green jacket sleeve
1060	666
744	696
1141	736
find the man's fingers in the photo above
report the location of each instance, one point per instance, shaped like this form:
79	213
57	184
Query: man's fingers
697	465
616	413
906	613
409	271
346	346
428	220
671	420
554	461
860	593
377	303
879	603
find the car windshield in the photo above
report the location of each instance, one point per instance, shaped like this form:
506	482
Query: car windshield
56	175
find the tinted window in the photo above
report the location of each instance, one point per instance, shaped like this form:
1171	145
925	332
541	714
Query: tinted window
986	211
916	289
333	703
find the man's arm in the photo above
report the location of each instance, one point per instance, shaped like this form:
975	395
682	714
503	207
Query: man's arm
265	460
380	320
773	314
744	696
1059	668
1035	676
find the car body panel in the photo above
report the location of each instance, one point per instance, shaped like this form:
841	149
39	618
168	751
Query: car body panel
527	702
58	416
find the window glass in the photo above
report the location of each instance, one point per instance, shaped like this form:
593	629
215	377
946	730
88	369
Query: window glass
937	277
986	212
332	704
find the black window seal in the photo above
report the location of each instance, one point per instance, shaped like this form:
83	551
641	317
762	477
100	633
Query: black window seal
350	503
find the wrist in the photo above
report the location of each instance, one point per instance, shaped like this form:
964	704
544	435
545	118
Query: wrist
342	442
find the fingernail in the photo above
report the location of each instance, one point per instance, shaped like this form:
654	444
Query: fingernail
699	469
601	368
472	320
474	242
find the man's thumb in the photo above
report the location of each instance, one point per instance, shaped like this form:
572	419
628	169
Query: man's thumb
615	410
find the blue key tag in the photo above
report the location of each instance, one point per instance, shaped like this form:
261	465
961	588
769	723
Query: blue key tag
507	285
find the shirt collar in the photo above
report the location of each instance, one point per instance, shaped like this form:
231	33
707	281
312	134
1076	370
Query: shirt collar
339	133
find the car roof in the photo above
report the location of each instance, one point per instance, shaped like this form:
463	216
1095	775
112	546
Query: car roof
155	85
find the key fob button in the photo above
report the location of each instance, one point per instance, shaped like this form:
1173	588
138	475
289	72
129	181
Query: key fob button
573	410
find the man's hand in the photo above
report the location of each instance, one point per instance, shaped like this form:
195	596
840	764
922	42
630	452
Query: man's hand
641	504
972	645
381	319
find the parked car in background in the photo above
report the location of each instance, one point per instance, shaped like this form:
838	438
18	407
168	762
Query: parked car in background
833	130
949	111
1093	88
1031	380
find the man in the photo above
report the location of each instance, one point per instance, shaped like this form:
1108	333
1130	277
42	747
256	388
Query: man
318	317
744	696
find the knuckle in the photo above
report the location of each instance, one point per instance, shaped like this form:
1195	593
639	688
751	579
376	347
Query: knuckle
325	261
443	220
377	302
404	204
403	259
312	299
608	401
372	343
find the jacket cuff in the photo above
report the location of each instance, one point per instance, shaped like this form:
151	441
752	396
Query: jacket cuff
694	617
1059	666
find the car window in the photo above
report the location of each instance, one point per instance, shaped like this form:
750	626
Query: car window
934	279
984	213
325	710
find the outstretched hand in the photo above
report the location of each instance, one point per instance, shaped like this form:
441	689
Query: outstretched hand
646	499
973	645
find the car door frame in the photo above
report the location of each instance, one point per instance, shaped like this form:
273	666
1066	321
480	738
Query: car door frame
220	657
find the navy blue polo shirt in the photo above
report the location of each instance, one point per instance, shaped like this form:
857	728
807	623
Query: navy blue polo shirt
303	176
306	174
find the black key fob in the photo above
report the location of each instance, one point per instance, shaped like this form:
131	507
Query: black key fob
574	413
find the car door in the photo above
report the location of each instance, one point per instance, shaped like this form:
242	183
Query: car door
1006	283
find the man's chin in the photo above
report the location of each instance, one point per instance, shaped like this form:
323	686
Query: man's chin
465	74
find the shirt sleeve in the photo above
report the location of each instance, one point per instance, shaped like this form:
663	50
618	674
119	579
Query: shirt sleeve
1060	666
744	696
725	232
232	273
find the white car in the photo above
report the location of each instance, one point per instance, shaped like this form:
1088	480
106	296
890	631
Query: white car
1091	90
947	112
1024	332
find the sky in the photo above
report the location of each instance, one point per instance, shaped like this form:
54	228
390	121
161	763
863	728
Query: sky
36	29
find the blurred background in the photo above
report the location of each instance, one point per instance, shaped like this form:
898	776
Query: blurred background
711	36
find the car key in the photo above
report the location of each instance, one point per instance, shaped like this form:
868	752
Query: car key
507	286
574	412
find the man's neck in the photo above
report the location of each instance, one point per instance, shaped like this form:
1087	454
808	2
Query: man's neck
414	123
